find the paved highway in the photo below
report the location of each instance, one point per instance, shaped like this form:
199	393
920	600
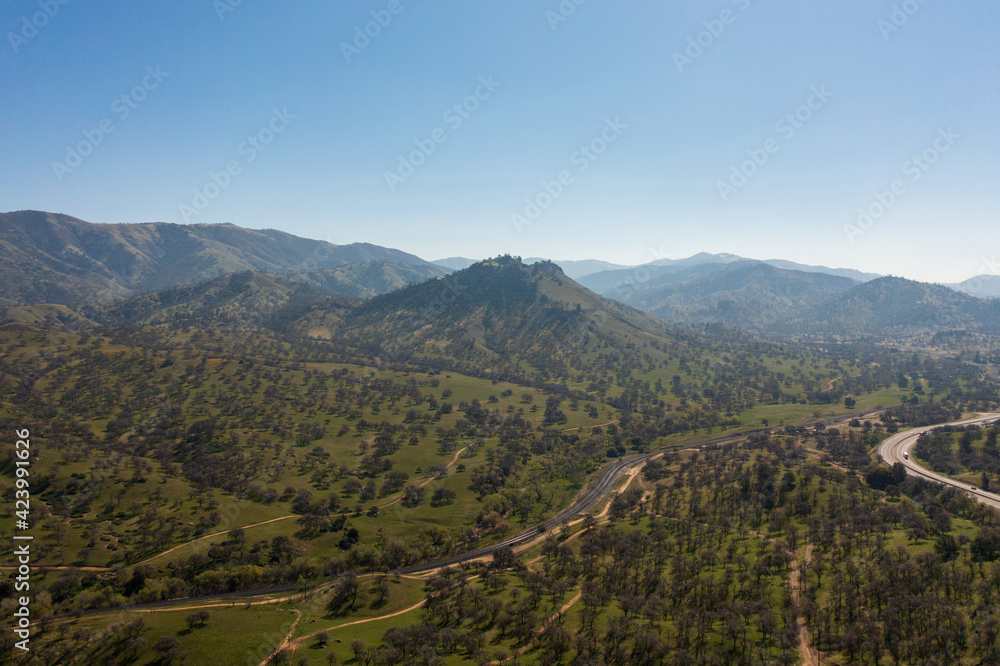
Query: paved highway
898	448
601	487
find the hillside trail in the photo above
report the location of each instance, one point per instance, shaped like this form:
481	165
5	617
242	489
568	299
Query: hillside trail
808	654
301	640
454	459
209	536
63	567
232	603
285	642
538	634
599	425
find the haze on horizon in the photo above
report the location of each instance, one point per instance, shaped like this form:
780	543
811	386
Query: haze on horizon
570	130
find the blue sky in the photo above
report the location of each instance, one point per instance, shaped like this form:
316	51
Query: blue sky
667	124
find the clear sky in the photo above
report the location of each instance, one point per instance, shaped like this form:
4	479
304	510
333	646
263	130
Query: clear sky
667	123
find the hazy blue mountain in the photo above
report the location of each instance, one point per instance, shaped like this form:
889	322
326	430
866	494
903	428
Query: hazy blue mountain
576	269
981	286
454	263
746	294
606	281
603	282
698	259
857	275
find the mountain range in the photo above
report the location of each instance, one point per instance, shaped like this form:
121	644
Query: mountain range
61	269
53	258
760	297
578	269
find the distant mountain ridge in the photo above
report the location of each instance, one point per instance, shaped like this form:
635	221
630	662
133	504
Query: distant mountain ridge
759	297
851	273
980	286
893	306
454	263
746	294
576	269
54	258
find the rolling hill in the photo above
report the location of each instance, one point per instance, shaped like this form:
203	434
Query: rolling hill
241	300
500	313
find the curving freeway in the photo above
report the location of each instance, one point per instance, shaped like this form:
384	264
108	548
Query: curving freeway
897	449
601	487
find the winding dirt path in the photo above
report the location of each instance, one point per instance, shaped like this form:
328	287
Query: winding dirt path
808	654
284	643
63	567
454	459
599	425
538	634
298	642
209	536
233	603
